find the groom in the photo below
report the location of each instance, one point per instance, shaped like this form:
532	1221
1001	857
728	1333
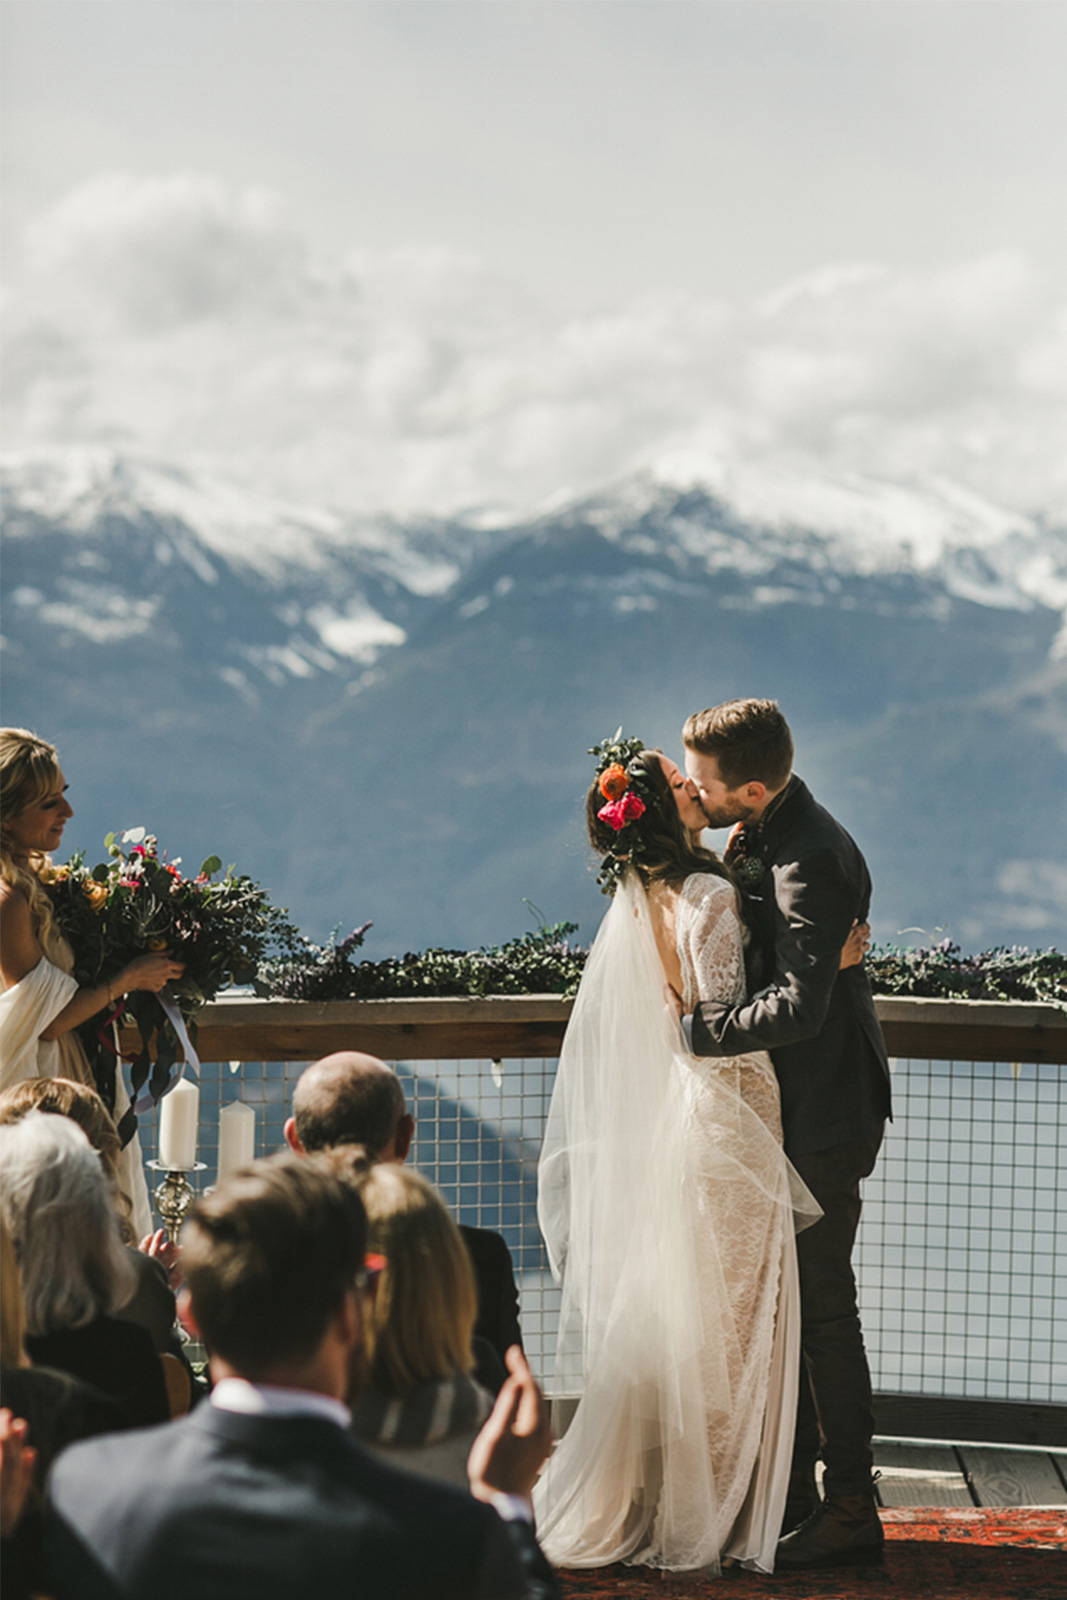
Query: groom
803	882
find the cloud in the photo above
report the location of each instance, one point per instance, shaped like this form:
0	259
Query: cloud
149	254
182	317
1032	894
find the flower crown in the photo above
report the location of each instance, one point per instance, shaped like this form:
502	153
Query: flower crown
627	795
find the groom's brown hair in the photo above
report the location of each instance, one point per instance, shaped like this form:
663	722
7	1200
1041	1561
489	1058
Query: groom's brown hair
750	739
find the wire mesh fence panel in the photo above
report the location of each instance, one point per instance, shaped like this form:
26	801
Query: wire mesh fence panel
962	1274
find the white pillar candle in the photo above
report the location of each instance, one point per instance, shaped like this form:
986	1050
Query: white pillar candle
237	1137
179	1113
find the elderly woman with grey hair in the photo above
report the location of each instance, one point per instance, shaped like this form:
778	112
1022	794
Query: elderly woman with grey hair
75	1270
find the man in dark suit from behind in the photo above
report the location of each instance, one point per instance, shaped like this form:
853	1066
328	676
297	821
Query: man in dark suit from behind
262	1493
351	1098
803	885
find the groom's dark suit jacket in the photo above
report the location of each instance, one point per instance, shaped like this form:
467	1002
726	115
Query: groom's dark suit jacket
818	1023
498	1294
224	1506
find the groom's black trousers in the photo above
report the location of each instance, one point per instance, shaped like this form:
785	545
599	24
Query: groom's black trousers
835	1414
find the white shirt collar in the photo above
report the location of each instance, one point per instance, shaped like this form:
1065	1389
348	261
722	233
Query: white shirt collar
269	1400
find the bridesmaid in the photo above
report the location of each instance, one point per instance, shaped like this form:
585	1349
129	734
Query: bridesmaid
42	1003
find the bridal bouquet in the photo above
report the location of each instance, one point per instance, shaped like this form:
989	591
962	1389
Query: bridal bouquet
137	901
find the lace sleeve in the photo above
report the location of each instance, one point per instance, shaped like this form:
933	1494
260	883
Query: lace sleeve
710	942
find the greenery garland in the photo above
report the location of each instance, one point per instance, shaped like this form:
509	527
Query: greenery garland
226	931
943	972
546	962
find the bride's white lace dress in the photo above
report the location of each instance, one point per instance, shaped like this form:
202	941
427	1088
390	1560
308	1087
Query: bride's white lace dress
669	1212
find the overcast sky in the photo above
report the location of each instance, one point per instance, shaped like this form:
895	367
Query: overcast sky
444	253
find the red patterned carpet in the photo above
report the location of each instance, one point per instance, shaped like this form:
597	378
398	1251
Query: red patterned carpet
939	1554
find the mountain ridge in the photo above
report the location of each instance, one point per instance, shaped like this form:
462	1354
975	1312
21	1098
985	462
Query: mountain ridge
388	720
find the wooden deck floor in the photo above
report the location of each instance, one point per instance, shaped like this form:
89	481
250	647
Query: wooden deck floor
921	1473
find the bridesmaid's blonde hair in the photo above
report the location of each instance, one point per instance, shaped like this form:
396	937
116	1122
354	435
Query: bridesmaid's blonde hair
29	769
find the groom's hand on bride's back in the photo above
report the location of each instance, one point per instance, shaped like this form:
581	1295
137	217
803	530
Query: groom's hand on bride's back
508	1454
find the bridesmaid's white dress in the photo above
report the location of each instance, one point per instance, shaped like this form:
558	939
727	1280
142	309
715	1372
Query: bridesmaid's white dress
26	1009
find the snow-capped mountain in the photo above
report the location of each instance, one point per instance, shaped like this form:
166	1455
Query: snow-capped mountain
80	489
828	531
389	719
101	543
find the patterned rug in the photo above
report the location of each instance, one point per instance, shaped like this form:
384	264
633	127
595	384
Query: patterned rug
938	1554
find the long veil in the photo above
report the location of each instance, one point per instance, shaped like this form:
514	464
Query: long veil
652	1166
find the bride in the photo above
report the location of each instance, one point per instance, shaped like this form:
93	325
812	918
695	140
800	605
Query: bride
669	1211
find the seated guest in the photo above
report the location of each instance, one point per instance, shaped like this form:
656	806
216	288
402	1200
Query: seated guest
54	1409
17	1463
350	1098
262	1491
151	1306
75	1270
417	1403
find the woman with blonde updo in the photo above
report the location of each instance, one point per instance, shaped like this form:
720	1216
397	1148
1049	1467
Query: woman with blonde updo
42	1004
64	1097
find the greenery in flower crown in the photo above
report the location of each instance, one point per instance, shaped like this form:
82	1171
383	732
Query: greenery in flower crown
137	901
627	796
542	962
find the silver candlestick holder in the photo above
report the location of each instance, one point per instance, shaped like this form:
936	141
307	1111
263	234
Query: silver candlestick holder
174	1195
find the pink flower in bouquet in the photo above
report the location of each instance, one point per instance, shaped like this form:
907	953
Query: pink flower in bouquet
129	883
619	812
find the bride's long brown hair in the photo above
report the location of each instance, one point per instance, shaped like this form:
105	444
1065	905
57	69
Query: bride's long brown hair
669	851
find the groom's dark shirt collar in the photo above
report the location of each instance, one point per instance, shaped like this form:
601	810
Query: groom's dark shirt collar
771	823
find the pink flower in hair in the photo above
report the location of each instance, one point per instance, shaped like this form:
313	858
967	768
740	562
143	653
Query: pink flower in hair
617	813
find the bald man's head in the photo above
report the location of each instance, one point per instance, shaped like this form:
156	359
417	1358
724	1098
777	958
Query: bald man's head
349	1098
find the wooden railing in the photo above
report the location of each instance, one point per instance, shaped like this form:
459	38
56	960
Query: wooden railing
532	1025
498	1027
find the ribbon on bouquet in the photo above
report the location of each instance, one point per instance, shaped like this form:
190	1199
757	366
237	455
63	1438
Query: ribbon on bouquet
144	1101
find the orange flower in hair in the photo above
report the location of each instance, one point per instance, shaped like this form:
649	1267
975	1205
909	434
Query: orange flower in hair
614	782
